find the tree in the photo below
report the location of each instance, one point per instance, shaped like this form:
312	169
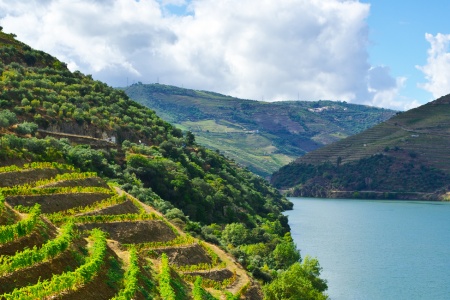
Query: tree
190	138
7	118
235	234
300	281
286	253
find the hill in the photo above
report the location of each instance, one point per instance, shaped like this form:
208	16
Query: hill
262	136
66	234
405	157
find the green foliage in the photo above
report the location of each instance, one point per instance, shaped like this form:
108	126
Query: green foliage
36	166
286	253
27	128
300	281
131	278
32	256
7	118
61	218
165	288
235	234
10	232
2	203
198	292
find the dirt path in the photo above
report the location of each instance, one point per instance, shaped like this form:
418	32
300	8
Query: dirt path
242	278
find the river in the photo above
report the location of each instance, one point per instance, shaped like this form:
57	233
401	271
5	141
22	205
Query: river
376	249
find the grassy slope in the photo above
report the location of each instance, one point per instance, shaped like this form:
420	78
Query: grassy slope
262	136
418	138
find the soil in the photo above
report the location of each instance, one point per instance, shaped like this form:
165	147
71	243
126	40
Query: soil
28	176
57	202
216	275
8	217
126	207
186	255
254	292
93	181
135	232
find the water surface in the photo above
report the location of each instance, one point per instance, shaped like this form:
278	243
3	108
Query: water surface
376	249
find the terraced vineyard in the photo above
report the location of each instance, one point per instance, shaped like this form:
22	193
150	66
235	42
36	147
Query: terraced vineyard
407	155
65	234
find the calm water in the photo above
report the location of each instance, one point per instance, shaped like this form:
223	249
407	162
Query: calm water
376	249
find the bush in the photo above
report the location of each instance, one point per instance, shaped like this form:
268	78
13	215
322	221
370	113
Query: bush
7	118
27	128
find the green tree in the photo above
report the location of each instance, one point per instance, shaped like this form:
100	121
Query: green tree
300	281
286	253
235	234
7	118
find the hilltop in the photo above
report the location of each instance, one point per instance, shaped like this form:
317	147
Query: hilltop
102	199
405	157
262	136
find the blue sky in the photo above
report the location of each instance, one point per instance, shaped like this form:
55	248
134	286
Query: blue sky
392	54
397	34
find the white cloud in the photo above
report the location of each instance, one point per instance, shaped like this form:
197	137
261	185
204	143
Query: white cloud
437	69
247	48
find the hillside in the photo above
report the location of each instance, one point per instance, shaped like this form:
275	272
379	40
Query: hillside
139	242
405	157
67	234
262	136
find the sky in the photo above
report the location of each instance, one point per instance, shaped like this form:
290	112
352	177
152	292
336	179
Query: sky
392	54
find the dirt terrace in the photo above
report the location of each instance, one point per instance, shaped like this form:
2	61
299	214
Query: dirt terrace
28	176
186	255
126	207
57	202
135	232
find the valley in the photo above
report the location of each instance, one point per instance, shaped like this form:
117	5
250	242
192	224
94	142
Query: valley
262	136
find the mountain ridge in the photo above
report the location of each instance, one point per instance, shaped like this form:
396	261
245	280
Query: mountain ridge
407	155
262	136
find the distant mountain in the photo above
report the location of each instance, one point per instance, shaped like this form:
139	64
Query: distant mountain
406	157
260	135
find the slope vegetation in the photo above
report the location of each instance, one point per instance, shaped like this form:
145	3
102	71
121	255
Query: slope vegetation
405	157
260	135
71	248
62	135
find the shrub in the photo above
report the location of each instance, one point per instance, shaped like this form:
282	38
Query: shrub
7	118
27	128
